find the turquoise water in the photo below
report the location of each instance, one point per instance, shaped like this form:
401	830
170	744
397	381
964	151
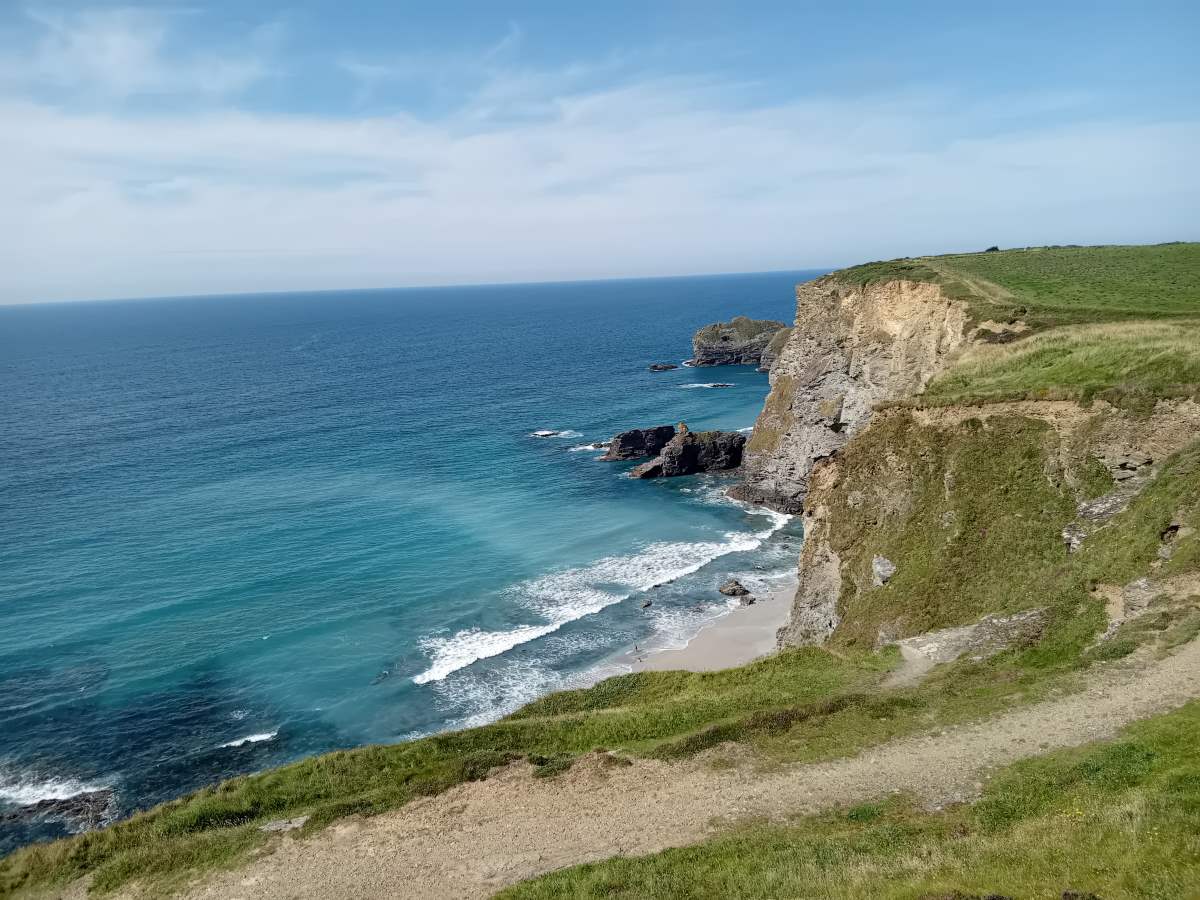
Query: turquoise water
240	530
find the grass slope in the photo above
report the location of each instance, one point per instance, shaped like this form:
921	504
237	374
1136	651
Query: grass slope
1123	363
1122	323
1118	820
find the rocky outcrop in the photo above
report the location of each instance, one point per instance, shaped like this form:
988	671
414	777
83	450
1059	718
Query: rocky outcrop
638	443
82	812
773	349
733	588
692	452
740	341
662	367
852	347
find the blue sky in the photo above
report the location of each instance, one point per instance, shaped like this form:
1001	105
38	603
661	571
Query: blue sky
204	147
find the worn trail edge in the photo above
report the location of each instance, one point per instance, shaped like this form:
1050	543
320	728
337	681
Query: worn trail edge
479	837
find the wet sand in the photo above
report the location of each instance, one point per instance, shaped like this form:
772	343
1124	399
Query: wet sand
732	640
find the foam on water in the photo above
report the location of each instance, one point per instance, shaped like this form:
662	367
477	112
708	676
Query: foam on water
251	739
26	790
567	596
708	384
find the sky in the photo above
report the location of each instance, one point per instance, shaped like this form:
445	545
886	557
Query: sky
215	146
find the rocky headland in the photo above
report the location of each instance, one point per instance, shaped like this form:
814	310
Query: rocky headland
740	341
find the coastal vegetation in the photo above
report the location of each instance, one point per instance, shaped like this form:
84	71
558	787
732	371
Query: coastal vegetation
970	501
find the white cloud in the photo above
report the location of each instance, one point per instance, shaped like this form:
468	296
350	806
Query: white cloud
126	52
540	175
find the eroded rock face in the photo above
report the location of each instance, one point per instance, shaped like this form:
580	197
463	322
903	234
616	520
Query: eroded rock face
639	442
740	341
851	348
772	351
691	452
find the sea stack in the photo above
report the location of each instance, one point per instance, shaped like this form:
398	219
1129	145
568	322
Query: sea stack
691	452
740	341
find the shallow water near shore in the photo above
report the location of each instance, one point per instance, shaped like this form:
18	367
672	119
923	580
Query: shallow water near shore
242	530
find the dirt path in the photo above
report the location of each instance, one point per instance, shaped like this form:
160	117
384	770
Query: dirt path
989	290
479	837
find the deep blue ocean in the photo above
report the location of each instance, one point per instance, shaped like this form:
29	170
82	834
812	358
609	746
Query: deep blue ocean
235	531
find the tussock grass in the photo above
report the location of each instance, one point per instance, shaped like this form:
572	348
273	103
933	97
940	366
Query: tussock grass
1118	819
1122	362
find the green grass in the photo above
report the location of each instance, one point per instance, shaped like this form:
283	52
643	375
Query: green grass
1119	819
1092	284
1046	286
1129	362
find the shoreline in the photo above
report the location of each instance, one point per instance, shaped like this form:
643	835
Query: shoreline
743	635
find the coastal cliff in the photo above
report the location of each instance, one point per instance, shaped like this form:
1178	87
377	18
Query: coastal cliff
964	455
852	346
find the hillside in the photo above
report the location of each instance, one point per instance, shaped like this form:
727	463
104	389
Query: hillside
998	462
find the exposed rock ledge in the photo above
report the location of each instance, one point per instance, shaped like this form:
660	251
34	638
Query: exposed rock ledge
740	341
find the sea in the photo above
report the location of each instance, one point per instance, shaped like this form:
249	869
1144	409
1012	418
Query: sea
239	530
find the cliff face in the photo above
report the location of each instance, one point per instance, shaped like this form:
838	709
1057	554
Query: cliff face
773	349
740	341
978	510
851	347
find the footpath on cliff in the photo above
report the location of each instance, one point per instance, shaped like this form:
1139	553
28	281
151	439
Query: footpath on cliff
481	836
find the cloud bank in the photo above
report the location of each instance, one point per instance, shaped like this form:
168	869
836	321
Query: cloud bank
595	170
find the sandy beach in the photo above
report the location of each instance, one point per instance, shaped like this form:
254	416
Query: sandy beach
732	640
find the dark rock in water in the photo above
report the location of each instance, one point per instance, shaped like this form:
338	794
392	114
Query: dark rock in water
748	600
652	469
662	367
733	588
690	452
639	442
647	604
740	341
83	811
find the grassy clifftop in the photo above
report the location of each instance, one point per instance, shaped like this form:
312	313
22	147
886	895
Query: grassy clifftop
1049	286
1082	321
